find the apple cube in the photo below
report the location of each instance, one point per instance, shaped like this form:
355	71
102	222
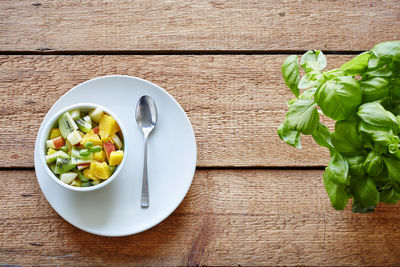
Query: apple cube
82	166
74	138
108	148
56	143
117	142
96	114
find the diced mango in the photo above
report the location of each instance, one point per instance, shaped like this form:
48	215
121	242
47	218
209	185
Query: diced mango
99	156
51	151
116	157
88	174
91	137
55	132
107	126
100	170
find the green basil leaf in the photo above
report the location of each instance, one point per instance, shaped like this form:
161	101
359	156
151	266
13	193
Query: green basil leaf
374	88
290	71
396	65
332	74
356	167
336	192
338	168
339	98
313	61
374	62
380	136
364	190
357	65
303	116
384	71
374	114
346	139
390	195
373	164
387	50
308	94
381	179
358	207
322	136
396	87
311	79
289	136
393	167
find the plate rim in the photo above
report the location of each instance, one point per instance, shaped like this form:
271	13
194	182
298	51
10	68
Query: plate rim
147	227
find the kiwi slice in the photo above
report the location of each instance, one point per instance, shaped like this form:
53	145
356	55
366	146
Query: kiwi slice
63	165
53	157
84	126
66	124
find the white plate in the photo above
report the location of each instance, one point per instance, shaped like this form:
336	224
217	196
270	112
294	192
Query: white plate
115	209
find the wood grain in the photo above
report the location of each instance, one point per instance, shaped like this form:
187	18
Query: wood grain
235	102
196	25
229	217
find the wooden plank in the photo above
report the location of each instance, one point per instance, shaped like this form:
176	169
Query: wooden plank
229	217
235	102
196	25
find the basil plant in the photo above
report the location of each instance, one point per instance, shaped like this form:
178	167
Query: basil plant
363	98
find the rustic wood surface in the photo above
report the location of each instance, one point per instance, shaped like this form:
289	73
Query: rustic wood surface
254	200
235	102
196	25
242	217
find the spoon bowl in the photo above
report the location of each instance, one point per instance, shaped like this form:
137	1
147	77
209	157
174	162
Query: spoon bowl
146	114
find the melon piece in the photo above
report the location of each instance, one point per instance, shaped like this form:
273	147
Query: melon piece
55	132
116	157
107	126
99	156
88	174
100	170
91	137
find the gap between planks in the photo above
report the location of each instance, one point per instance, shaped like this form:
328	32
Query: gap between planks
49	51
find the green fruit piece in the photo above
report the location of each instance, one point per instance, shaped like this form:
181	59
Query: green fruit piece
66	124
86	184
64	148
95	149
63	165
88	145
112	169
82	177
84	153
84	126
53	157
75	153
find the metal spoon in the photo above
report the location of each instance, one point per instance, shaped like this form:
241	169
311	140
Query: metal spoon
146	118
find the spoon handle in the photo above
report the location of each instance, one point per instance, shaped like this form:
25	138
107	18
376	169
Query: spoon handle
145	184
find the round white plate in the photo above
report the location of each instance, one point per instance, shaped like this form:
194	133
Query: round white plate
115	209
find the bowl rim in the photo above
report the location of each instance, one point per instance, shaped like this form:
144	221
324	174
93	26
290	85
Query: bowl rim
46	131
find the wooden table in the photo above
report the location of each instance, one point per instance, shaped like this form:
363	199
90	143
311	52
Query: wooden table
254	200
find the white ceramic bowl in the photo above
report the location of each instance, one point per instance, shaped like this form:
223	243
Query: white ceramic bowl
45	135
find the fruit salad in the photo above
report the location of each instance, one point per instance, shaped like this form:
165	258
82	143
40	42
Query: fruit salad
84	148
